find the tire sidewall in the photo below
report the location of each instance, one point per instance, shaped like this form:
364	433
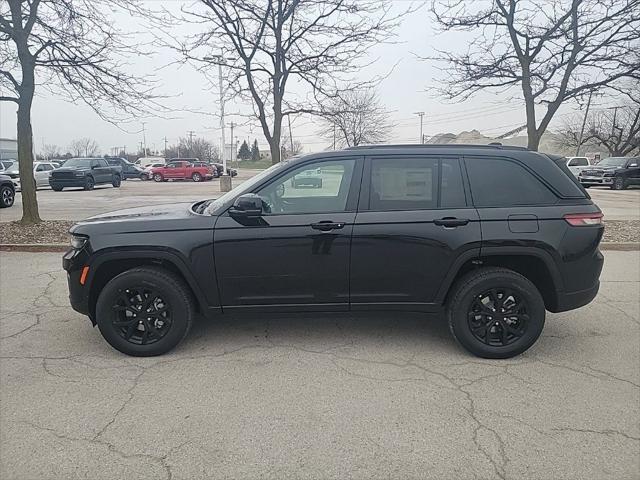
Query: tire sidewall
196	177
618	183
89	183
117	181
458	315
180	313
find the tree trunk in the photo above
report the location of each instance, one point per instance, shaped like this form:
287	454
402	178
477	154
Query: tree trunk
275	152
30	213
533	140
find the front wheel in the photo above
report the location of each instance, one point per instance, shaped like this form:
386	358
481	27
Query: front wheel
495	313
7	196
57	189
196	177
89	183
116	181
619	184
144	177
144	311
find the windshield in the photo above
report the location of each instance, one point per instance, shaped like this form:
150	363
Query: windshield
613	162
78	162
213	205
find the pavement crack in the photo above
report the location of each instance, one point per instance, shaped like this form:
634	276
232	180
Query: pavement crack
607	432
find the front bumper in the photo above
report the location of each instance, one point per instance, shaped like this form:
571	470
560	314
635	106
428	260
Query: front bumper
67	182
73	261
595	180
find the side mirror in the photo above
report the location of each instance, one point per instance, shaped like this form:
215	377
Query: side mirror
248	205
632	165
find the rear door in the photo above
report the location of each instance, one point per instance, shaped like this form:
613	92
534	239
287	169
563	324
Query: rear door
415	223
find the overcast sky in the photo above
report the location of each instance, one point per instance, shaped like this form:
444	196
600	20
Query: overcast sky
408	89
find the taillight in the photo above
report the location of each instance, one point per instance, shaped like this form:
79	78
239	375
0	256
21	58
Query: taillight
584	219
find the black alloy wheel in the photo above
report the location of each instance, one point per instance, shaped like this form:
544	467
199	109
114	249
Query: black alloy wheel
619	183
145	311
495	312
89	183
498	317
142	316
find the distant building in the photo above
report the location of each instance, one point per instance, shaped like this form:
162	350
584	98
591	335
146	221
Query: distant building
8	149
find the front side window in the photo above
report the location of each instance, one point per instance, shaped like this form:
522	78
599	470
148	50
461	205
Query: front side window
319	187
498	182
40	168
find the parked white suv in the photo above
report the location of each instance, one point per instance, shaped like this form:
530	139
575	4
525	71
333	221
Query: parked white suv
41	172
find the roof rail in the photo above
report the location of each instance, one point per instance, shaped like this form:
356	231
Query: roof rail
492	146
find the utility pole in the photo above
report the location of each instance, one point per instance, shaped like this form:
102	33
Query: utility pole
290	134
190	134
144	139
165	146
334	136
584	122
421	115
231	149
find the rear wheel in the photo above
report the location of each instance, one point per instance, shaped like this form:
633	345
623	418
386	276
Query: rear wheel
7	196
89	183
144	311
196	177
619	183
495	313
158	178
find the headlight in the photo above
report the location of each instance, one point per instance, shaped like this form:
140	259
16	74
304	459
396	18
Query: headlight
609	175
79	174
78	242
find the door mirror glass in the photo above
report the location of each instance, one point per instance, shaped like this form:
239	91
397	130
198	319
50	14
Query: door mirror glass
248	205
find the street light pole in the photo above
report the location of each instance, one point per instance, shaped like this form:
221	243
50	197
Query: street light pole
584	122
421	115
224	157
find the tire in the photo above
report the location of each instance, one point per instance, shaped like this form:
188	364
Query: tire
144	177
89	183
7	196
158	178
466	308
57	189
196	177
619	183
586	186
170	293
117	181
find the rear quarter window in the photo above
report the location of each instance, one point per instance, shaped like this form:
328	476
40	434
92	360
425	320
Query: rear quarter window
499	182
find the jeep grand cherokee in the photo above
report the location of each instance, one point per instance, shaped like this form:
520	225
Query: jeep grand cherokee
492	236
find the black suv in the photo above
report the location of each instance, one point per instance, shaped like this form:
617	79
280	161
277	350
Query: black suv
491	235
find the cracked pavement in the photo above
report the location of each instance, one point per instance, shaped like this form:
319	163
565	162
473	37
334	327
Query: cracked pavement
388	396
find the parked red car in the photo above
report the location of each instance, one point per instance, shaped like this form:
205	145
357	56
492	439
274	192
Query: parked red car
182	170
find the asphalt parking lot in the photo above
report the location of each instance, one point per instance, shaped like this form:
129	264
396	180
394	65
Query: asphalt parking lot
334	397
76	204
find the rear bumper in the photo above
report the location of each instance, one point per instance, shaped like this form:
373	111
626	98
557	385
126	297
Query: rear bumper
573	300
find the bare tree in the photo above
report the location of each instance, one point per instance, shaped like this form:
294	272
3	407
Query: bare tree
355	117
194	148
554	51
50	151
84	147
269	44
68	48
617	129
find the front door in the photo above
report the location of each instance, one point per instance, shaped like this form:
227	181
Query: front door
414	223
296	256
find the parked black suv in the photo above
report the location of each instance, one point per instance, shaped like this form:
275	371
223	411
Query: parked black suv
128	169
491	235
85	173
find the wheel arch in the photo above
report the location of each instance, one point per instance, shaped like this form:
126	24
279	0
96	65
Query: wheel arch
107	265
534	264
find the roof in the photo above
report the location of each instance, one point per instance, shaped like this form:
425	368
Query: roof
430	146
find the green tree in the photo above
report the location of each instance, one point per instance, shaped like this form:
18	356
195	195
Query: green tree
255	151
244	153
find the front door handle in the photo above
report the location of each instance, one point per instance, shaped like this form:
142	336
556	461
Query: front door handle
327	225
451	222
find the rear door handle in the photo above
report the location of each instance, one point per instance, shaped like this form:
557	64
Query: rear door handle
327	225
451	222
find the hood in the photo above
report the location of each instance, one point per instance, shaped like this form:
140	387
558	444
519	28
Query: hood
168	211
71	169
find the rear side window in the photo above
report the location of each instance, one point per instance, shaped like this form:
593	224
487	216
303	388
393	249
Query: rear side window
420	183
497	182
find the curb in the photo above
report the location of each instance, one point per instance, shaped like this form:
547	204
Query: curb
63	247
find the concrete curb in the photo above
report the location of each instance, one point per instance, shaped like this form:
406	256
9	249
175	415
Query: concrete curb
63	247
